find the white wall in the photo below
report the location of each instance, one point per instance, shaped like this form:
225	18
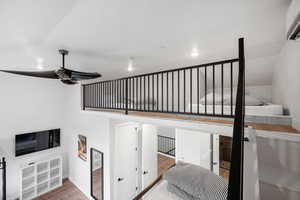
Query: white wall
26	105
286	81
166	131
193	147
280	157
96	128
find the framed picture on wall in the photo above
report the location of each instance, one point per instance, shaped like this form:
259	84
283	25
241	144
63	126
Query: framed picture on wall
82	147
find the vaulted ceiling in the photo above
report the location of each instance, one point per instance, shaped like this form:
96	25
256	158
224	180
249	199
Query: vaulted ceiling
103	34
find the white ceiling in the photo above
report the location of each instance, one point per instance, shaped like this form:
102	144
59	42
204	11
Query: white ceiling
103	34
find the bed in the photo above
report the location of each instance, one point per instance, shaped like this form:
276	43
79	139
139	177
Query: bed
216	102
186	181
160	192
259	110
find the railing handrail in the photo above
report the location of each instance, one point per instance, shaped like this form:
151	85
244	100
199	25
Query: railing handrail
216	63
166	137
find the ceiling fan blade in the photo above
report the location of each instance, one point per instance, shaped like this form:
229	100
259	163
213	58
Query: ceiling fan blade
40	74
77	76
69	82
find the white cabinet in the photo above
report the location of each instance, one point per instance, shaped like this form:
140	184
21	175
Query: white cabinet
40	177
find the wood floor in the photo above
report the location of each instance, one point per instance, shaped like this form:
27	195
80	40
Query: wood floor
66	192
164	163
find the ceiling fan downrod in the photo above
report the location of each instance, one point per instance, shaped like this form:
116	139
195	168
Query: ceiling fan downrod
63	52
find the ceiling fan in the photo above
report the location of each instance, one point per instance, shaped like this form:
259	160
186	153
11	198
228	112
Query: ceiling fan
66	76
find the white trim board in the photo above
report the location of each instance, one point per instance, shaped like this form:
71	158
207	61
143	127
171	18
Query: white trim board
293	137
207	127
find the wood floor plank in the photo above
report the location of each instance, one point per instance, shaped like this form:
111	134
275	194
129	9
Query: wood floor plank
68	191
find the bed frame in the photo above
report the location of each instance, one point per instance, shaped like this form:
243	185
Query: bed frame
170	92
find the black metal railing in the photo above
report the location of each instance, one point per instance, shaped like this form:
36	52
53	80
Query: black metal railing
3	168
205	89
166	145
183	91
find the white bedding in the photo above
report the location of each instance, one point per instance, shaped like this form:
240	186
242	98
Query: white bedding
265	110
160	192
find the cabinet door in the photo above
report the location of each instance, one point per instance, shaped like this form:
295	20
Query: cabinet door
194	147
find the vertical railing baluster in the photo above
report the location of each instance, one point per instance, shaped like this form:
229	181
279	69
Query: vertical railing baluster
222	88
198	92
157	91
123	95
103	88
205	89
178	82
167	91
92	96
107	95
191	90
172	91
152	92
101	94
126	100
162	92
133	94
116	94
140	93
144	100
148	78
213	89
184	91
83	97
112	94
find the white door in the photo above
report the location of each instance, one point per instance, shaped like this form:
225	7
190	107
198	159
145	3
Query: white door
194	147
126	161
149	155
216	154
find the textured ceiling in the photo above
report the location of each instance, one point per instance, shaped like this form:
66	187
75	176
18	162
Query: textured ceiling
159	34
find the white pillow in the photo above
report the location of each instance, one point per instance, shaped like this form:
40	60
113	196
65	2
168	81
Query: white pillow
249	100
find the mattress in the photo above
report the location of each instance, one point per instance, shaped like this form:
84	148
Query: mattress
160	192
264	110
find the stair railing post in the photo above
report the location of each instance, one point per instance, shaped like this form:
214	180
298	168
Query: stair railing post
4	178
235	186
126	100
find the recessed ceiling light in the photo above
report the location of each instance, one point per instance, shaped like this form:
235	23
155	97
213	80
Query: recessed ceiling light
194	53
40	63
130	65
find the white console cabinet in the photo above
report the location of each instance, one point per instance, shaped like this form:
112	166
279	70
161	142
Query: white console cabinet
40	177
